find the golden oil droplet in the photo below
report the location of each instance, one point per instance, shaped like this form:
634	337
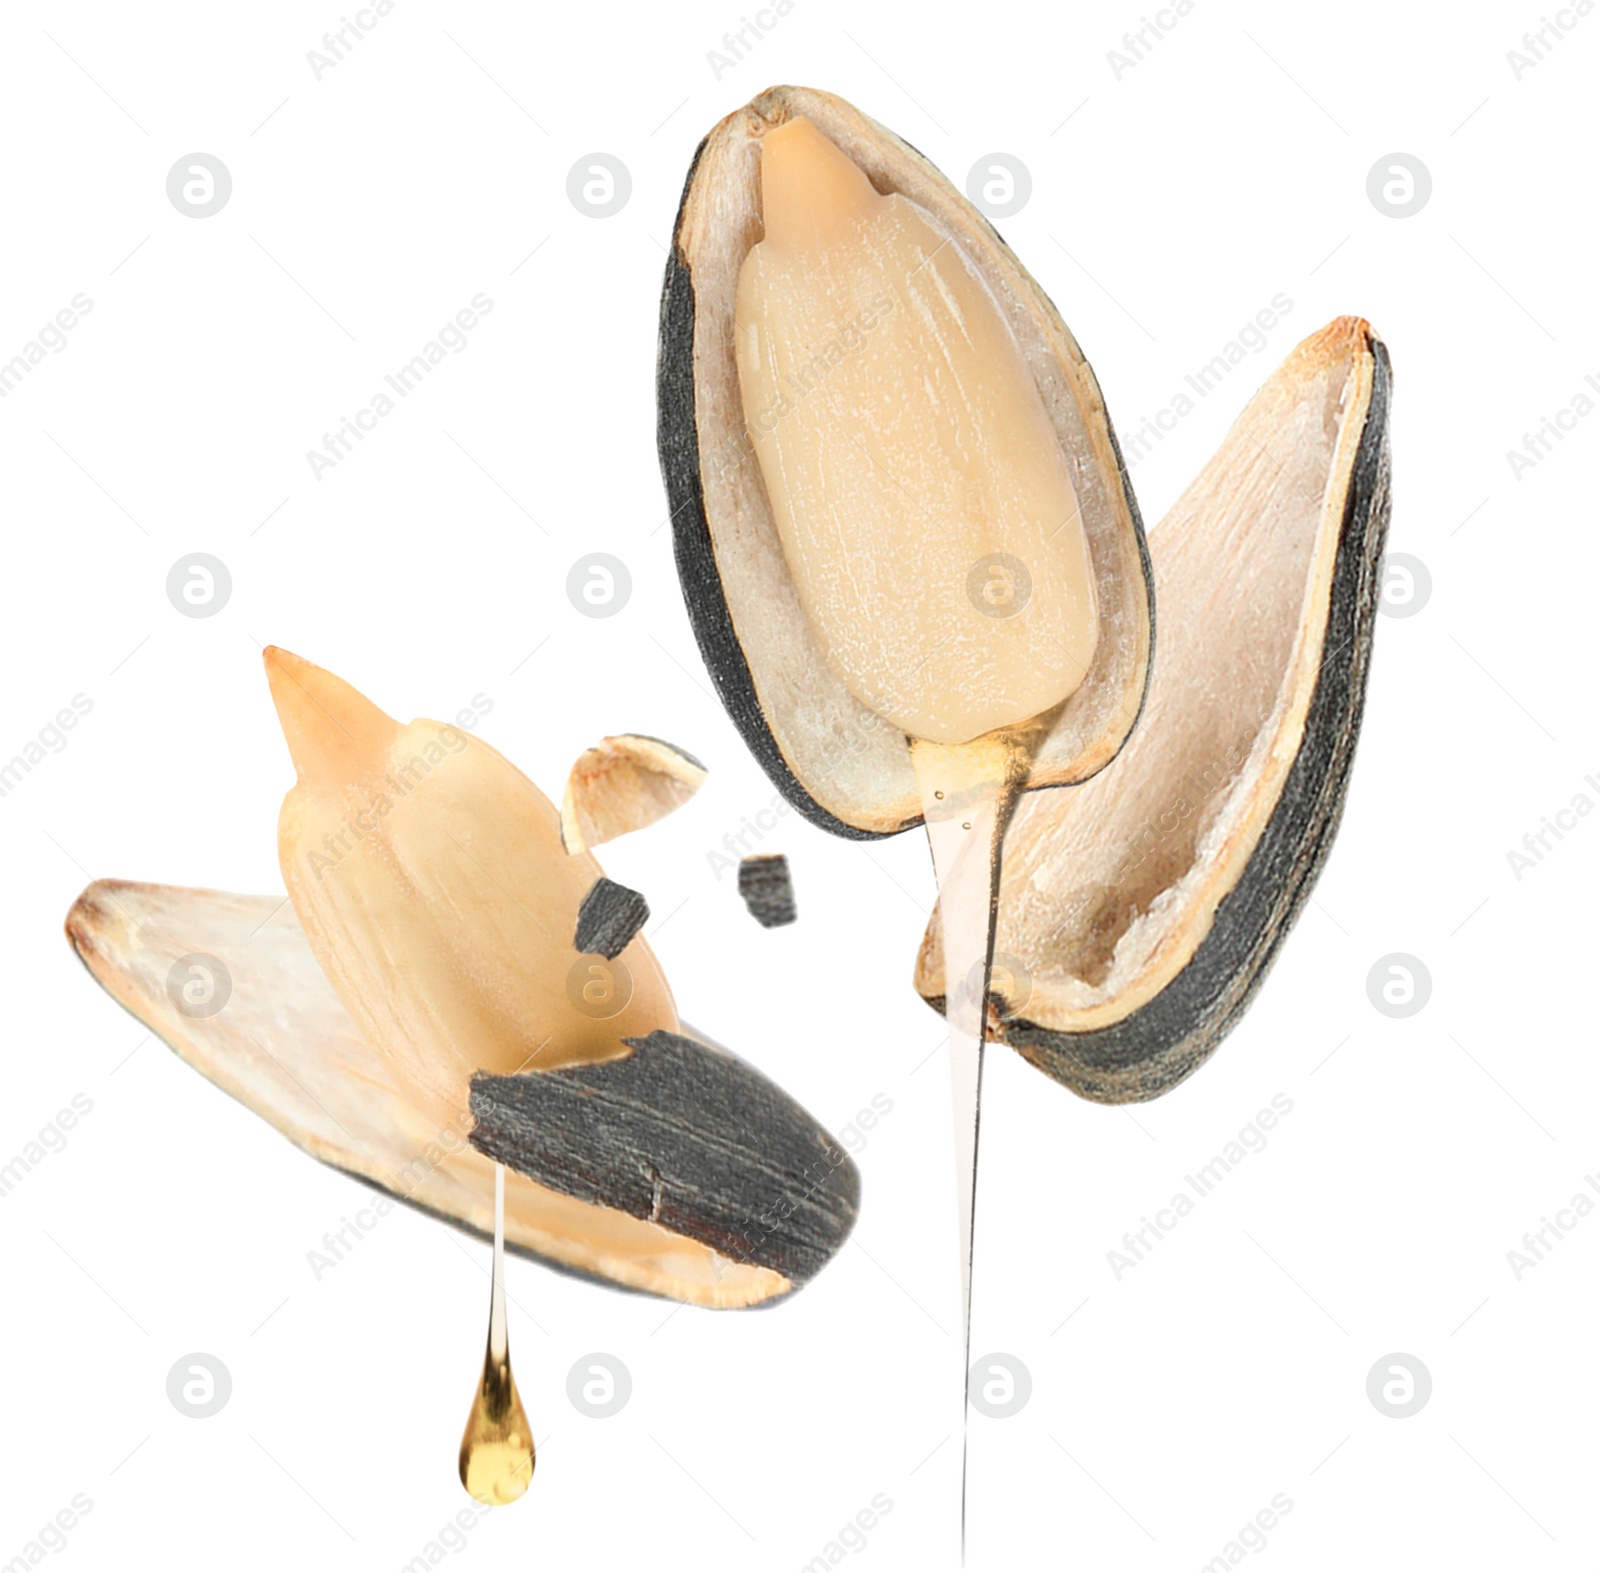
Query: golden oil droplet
497	1445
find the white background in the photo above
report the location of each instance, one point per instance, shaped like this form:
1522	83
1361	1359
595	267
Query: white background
1168	207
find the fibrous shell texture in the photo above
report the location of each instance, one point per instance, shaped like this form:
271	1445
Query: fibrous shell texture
767	888
1139	912
758	1180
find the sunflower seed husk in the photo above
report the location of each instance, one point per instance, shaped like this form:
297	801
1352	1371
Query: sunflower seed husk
269	1030
608	919
686	1139
767	888
623	784
1140	912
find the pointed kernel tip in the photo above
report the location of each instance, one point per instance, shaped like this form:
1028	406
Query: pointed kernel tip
812	193
283	666
336	735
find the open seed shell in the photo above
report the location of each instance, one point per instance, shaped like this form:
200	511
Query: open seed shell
834	759
283	1045
1140	912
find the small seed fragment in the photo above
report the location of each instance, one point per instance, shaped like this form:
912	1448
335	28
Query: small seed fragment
767	889
609	917
623	784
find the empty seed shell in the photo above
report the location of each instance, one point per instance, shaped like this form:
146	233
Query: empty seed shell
623	784
767	888
693	1141
609	917
1139	912
775	639
230	983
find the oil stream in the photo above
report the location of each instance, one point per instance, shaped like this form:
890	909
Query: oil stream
968	795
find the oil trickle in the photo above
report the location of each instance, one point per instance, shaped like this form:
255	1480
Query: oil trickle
969	792
497	1445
